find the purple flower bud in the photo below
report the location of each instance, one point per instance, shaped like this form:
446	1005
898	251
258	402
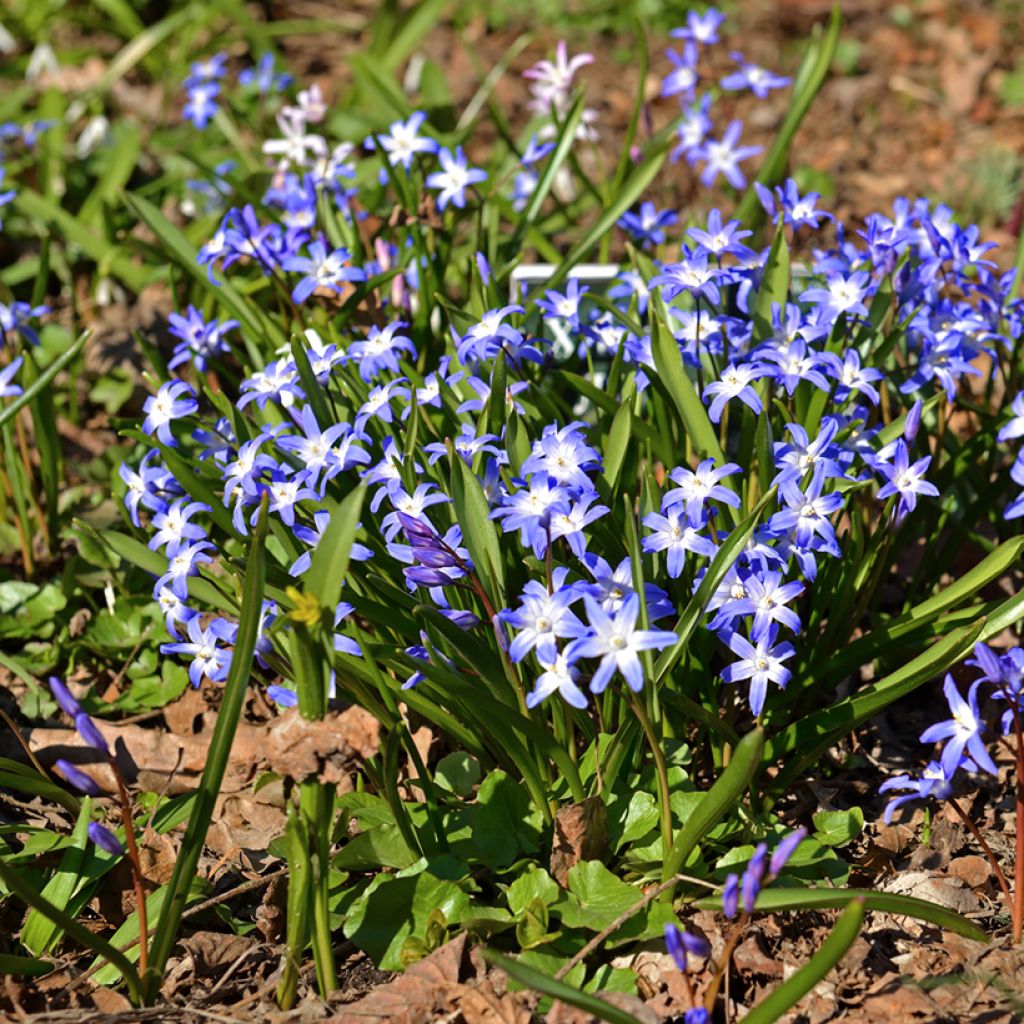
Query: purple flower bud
62	695
681	944
105	839
462	618
427	577
87	730
415	528
752	877
434	558
731	896
674	945
484	267
785	850
913	421
698	1015
77	778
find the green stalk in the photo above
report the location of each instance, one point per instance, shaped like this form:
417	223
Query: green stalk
662	772
316	800
297	929
235	690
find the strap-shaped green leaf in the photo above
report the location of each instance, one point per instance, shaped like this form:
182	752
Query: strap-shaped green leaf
674	380
235	689
333	552
809	79
720	799
43	380
478	530
775	899
833	950
540	982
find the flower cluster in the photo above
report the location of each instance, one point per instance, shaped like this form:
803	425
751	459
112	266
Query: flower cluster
683	945
397	402
967	734
721	156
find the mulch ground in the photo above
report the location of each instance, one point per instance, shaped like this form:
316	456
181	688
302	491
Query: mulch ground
926	106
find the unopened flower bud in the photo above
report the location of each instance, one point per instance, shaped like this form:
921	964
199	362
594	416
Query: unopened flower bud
77	778
105	839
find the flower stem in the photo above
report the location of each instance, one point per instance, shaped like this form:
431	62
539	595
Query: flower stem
660	768
136	866
1018	867
716	982
987	850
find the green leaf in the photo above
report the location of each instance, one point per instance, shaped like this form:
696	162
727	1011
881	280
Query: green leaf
540	982
775	899
617	445
333	552
380	847
458	772
874	643
41	932
566	140
28	610
631	817
478	530
136	553
392	909
838	828
235	690
803	742
673	379
533	884
43	380
504	824
833	949
809	78
774	289
24	966
16	884
719	801
602	897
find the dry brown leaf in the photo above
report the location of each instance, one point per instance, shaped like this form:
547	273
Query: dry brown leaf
973	869
150	758
244	825
962	70
562	1013
425	990
271	914
213	950
158	854
581	831
297	748
482	1005
107	1000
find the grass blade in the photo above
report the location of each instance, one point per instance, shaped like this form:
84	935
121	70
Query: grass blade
540	982
775	899
234	693
833	949
721	798
43	380
809	79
